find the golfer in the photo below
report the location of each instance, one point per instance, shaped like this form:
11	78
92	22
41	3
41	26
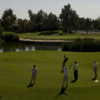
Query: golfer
34	71
75	71
64	62
65	78
95	68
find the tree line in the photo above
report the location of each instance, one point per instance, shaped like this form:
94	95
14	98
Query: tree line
67	21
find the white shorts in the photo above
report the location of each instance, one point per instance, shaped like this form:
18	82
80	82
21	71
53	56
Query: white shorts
34	76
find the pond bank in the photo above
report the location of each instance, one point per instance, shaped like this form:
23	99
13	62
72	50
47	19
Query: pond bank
43	41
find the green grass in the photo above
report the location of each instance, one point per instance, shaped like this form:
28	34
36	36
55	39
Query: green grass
15	75
58	35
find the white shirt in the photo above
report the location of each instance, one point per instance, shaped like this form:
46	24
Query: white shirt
66	72
95	65
75	67
34	70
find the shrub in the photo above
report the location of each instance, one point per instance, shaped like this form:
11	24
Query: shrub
82	45
1	29
10	37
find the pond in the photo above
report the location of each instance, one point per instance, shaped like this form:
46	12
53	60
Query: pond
15	47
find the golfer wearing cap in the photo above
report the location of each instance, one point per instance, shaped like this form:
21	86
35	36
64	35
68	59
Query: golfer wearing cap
34	71
95	68
63	64
65	78
75	71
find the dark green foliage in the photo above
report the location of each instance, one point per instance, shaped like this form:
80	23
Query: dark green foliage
8	19
10	37
82	45
87	24
1	29
43	21
69	19
99	27
48	33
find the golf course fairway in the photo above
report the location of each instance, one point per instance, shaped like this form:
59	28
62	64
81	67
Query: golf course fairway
15	75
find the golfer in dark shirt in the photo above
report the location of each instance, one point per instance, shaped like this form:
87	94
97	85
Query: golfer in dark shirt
64	62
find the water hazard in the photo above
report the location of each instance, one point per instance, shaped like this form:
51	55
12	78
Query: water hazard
15	47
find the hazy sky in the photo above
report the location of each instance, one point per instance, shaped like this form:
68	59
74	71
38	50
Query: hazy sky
84	8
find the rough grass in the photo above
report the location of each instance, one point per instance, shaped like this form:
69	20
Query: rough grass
15	75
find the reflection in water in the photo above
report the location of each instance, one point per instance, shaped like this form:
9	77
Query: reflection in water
15	47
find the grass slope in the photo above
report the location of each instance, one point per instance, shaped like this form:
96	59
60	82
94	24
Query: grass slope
47	35
15	75
59	35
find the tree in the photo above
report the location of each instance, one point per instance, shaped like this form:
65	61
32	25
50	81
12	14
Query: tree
8	18
36	19
45	22
1	29
69	18
87	24
99	27
96	23
42	21
52	22
23	25
81	23
74	21
31	15
39	20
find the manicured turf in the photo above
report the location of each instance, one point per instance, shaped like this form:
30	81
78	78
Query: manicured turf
15	75
61	37
58	35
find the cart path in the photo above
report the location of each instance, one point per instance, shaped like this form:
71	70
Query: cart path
29	40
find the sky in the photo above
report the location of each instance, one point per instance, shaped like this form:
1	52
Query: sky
84	8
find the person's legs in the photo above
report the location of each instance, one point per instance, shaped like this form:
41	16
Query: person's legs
95	72
34	81
66	81
31	79
63	80
75	74
34	78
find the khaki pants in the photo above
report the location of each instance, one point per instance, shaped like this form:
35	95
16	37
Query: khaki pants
33	75
65	79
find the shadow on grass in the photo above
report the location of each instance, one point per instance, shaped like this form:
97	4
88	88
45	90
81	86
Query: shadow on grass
62	92
93	79
30	85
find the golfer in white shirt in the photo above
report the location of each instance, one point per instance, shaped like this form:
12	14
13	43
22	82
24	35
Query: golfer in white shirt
95	68
65	78
34	71
75	71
